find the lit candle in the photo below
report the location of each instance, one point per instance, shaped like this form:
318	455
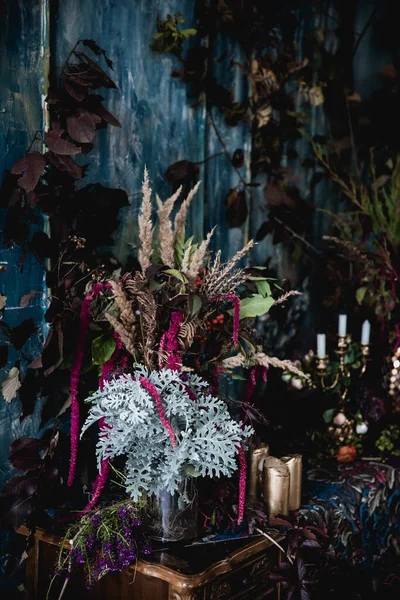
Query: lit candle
321	345
365	332
342	325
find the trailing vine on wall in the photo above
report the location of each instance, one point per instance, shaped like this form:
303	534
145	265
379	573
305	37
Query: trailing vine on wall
47	182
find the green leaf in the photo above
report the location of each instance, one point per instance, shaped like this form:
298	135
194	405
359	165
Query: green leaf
195	305
236	377
328	415
177	274
188	32
263	288
360	294
102	349
256	306
180	247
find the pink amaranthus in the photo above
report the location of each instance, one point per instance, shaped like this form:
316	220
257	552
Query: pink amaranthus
76	373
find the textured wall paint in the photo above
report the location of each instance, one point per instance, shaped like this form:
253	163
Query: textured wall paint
158	125
23	60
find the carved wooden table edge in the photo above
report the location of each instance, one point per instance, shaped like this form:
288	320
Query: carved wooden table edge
182	585
199	579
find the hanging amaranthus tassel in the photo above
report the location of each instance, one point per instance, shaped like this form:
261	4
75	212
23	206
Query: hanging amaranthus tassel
174	361
242	483
236	313
214	385
255	373
148	386
107	369
75	376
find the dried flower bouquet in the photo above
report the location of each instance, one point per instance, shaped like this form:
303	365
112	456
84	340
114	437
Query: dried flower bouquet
184	315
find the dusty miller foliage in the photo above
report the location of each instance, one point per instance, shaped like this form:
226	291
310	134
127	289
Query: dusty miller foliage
207	437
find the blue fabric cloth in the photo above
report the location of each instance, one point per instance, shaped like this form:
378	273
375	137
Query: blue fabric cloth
359	504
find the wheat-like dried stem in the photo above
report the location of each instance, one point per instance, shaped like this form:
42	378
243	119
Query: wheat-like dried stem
186	260
265	361
239	254
220	277
233	362
126	314
199	255
352	249
165	232
145	225
287	295
127	337
180	219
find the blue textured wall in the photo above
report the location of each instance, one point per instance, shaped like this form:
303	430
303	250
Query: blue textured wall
23	65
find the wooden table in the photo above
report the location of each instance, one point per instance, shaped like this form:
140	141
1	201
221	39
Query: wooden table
236	569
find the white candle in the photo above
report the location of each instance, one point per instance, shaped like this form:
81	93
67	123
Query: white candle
342	325
365	332
321	345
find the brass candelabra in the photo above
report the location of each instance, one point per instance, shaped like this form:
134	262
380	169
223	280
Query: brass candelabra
344	370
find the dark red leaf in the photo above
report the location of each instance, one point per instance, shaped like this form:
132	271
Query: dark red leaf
35	164
52	355
238	158
65	163
275	195
104	79
25	300
81	127
107	116
19	166
21	333
3	356
264	229
77	92
182	172
25	453
15	231
95	48
237	211
28	393
25	485
9	191
56	144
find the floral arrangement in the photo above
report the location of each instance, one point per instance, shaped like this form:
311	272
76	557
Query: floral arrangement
167	427
109	539
184	312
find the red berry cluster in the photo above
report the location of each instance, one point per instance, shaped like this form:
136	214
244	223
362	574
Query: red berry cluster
219	320
199	279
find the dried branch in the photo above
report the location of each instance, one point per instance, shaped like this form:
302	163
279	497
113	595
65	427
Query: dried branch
287	295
